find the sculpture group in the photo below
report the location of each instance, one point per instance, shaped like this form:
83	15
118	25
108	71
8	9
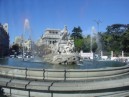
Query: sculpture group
62	49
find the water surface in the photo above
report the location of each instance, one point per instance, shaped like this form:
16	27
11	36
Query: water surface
87	64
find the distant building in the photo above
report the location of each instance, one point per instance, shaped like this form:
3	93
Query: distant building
50	37
4	40
18	40
28	45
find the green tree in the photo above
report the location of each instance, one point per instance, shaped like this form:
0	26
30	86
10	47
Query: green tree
116	38
14	48
77	33
78	44
94	45
86	46
125	41
78	39
117	29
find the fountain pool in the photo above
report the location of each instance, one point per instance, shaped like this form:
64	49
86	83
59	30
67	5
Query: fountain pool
87	64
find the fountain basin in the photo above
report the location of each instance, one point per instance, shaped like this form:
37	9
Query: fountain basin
63	74
39	63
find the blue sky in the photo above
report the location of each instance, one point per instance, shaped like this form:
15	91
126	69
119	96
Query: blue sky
55	14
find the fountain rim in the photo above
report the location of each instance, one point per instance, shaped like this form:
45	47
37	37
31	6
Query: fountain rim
96	70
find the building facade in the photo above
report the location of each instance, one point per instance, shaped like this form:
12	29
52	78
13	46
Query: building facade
18	40
57	40
4	40
51	36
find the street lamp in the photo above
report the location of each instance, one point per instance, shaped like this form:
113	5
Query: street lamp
97	22
97	36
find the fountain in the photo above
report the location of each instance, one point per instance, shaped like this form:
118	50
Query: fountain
27	42
62	50
39	78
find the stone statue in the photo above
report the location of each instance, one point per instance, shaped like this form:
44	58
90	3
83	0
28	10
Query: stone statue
64	33
63	51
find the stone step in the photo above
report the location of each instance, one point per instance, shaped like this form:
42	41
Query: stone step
22	93
60	86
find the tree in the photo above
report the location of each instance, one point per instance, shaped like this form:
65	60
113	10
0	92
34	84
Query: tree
116	38
116	29
78	39
86	46
125	41
14	49
77	33
78	44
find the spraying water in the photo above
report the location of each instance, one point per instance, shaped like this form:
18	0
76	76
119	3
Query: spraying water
98	42
91	38
27	29
27	41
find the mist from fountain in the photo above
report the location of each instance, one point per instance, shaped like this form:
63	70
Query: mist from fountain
33	49
27	29
91	38
99	49
37	62
27	40
96	35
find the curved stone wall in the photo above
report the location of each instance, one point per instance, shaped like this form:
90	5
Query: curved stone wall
28	82
59	89
57	74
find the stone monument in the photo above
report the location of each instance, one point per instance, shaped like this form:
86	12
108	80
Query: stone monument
62	49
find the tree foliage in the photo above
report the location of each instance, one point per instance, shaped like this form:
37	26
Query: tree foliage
77	33
78	44
87	44
15	49
116	38
82	43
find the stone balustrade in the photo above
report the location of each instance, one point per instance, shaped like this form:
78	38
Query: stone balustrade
62	74
32	82
27	88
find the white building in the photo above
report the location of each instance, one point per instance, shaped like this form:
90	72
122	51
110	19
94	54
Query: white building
51	36
18	40
26	43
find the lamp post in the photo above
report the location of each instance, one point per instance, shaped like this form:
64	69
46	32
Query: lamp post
97	22
97	35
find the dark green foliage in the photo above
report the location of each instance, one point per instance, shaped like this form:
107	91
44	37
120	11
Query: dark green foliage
78	44
77	33
82	43
116	38
15	49
125	41
116	29
94	47
86	46
78	39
